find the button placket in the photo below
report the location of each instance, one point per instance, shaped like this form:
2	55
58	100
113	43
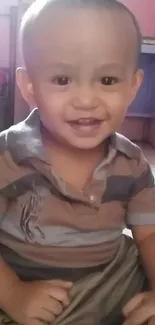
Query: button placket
95	204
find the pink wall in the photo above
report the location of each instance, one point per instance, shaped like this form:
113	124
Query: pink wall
4	30
144	11
4	37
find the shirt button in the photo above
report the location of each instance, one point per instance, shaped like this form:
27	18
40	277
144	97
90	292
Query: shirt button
92	198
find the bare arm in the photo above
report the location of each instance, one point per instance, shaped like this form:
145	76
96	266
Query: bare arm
8	280
140	309
145	239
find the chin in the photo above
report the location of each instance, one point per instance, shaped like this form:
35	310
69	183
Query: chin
86	144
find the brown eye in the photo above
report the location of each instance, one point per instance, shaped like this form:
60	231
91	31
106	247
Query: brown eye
109	81
61	81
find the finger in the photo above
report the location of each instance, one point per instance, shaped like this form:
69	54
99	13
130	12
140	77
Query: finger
61	295
45	317
60	283
141	314
134	303
53	306
36	322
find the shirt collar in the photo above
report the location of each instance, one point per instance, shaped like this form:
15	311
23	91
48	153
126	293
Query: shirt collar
24	139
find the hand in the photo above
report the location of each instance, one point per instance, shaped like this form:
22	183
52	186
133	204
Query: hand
37	303
140	310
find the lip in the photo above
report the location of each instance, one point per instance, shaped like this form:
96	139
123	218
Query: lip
85	125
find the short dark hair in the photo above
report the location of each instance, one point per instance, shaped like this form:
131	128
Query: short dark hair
40	8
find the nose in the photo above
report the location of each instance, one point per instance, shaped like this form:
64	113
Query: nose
85	98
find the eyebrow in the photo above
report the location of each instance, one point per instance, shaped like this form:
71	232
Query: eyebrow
114	67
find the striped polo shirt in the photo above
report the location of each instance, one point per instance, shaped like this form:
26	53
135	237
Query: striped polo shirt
47	228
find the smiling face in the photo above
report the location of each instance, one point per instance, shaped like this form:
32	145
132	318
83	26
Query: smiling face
83	75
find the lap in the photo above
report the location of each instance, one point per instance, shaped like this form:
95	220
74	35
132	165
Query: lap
99	298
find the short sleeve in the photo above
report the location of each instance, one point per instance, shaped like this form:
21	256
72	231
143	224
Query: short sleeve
141	207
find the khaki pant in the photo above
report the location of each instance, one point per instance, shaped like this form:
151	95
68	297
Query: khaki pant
99	298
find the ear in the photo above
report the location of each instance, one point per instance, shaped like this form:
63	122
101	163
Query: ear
25	86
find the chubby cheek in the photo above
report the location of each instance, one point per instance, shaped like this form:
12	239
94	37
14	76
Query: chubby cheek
50	104
117	105
117	119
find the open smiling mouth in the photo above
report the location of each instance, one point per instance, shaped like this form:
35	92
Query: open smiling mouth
85	124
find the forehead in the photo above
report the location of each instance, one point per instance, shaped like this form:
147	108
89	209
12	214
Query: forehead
86	35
